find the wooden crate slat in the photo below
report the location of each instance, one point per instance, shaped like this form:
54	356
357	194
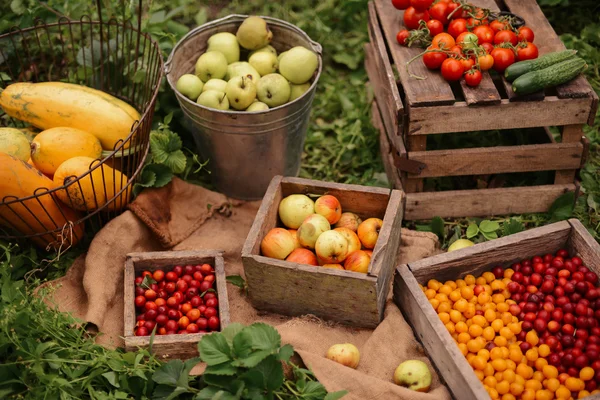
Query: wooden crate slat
484	94
548	41
382	77
504	159
483	202
584	245
536	96
434	89
460	117
432	333
386	150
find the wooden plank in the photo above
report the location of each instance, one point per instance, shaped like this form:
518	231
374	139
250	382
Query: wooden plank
394	176
366	201
483	202
570	134
293	289
171	346
382	76
512	96
502	159
584	245
383	261
415	144
440	347
483	256
548	41
431	91
484	94
460	117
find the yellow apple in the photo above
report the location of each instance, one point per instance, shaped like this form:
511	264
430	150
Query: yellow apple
349	220
302	256
329	207
310	230
333	266
368	232
413	374
346	354
295	235
294	209
332	247
353	240
277	243
357	261
460	244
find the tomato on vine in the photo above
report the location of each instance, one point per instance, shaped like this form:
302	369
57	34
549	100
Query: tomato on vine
473	77
439	11
527	51
525	34
435	27
503	58
455	13
467	63
401	4
456	51
457	26
402	36
505	36
421	5
486	62
412	18
443	41
488	47
498	25
433	59
452	69
485	34
480	18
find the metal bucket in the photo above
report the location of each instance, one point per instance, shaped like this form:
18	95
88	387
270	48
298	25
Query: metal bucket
245	150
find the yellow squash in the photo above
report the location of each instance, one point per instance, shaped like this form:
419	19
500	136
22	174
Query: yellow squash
54	104
15	143
37	215
93	190
54	146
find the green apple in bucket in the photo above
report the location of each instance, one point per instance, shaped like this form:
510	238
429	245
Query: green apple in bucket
268	48
264	62
225	43
298	90
190	86
257	106
254	33
273	90
298	64
214	99
212	64
215	84
241	92
242	68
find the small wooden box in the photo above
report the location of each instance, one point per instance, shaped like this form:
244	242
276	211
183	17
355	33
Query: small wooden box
171	346
344	296
430	330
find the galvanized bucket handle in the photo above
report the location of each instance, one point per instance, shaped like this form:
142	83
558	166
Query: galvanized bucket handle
270	20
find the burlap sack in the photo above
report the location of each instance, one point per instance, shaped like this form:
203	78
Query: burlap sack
184	217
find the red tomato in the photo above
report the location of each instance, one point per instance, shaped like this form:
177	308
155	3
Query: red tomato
457	14
412	18
502	58
457	26
488	47
435	27
485	62
473	77
498	25
401	4
401	38
505	36
452	69
434	59
525	34
528	52
421	5
479	20
439	11
484	33
467	63
456	51
443	41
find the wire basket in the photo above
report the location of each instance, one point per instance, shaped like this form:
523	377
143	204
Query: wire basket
111	56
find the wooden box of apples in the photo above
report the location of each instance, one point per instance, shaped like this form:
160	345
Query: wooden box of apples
325	249
517	316
178	295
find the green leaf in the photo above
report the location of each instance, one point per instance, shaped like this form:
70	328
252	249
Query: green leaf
272	371
147	282
437	227
562	208
472	231
285	353
591	202
165	392
166	149
262	336
18	7
162	173
111	377
252	359
207	393
490	235
511	227
314	391
221	369
236	280
169	373
487	226
335	395
231	330
214	349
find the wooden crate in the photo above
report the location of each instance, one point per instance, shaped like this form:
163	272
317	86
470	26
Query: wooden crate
429	329
411	109
344	296
171	346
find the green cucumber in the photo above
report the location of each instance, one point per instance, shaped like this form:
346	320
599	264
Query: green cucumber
554	75
522	67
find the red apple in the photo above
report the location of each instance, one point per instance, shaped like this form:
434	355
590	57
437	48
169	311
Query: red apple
329	207
278	243
368	232
357	261
303	256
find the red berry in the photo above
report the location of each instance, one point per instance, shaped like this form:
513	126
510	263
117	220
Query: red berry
141	331
171	325
191	292
562	253
140	301
188	269
150	294
213	323
151	315
192	328
162	319
568	329
204	286
171	276
198	276
158	275
182	286
212	302
196	301
150	325
146	273
539	325
178	270
207	269
498	272
187	278
210	312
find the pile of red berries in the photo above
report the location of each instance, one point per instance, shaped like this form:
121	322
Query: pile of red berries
558	297
178	301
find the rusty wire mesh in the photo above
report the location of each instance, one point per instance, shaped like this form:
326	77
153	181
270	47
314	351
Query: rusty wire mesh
111	56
